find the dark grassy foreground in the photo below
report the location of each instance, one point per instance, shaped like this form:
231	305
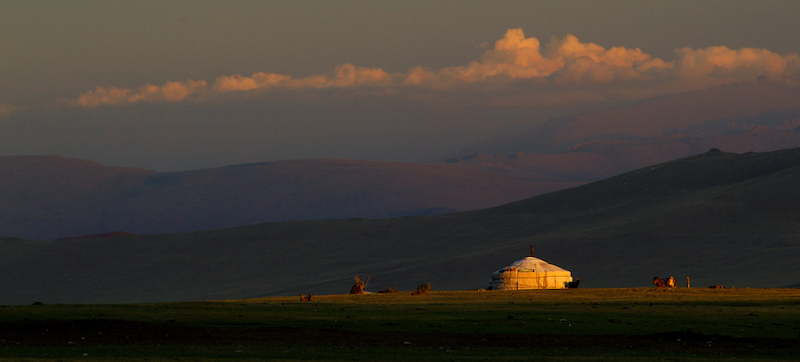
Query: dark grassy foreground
581	324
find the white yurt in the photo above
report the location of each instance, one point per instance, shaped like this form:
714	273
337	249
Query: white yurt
531	273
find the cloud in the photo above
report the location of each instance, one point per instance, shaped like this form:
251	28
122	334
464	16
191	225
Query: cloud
6	109
722	62
345	75
560	71
169	92
564	60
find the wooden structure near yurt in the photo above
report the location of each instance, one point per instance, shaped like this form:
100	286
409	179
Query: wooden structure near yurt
531	273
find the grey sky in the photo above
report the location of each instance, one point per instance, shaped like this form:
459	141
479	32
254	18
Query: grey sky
57	50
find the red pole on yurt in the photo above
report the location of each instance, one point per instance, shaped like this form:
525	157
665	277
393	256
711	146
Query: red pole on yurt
531	250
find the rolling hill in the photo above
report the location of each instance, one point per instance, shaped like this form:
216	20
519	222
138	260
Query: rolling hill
720	218
49	197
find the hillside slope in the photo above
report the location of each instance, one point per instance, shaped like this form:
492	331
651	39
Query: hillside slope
718	217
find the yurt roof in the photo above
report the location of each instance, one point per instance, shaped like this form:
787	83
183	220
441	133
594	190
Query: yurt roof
530	264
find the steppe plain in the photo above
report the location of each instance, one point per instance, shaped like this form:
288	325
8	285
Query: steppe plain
565	325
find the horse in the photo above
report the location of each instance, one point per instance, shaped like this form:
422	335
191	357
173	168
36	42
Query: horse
422	289
664	283
309	298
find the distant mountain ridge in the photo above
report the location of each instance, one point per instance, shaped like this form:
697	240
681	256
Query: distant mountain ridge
744	117
595	160
48	197
719	218
718	111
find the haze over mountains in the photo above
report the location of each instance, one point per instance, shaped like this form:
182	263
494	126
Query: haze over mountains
712	112
47	197
743	117
720	218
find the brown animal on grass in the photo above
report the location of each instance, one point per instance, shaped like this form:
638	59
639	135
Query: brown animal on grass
664	283
308	298
716	287
422	289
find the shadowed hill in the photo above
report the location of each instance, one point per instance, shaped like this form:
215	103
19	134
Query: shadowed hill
48	197
718	217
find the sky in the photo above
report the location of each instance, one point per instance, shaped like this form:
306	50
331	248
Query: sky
182	85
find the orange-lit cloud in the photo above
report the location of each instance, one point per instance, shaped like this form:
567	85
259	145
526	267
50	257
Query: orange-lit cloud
555	73
6	109
169	92
564	60
722	62
345	75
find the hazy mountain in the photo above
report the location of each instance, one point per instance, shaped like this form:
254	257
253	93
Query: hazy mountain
717	217
51	197
741	117
710	112
47	197
593	161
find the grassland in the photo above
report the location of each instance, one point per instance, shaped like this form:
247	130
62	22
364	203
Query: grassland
719	218
581	324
